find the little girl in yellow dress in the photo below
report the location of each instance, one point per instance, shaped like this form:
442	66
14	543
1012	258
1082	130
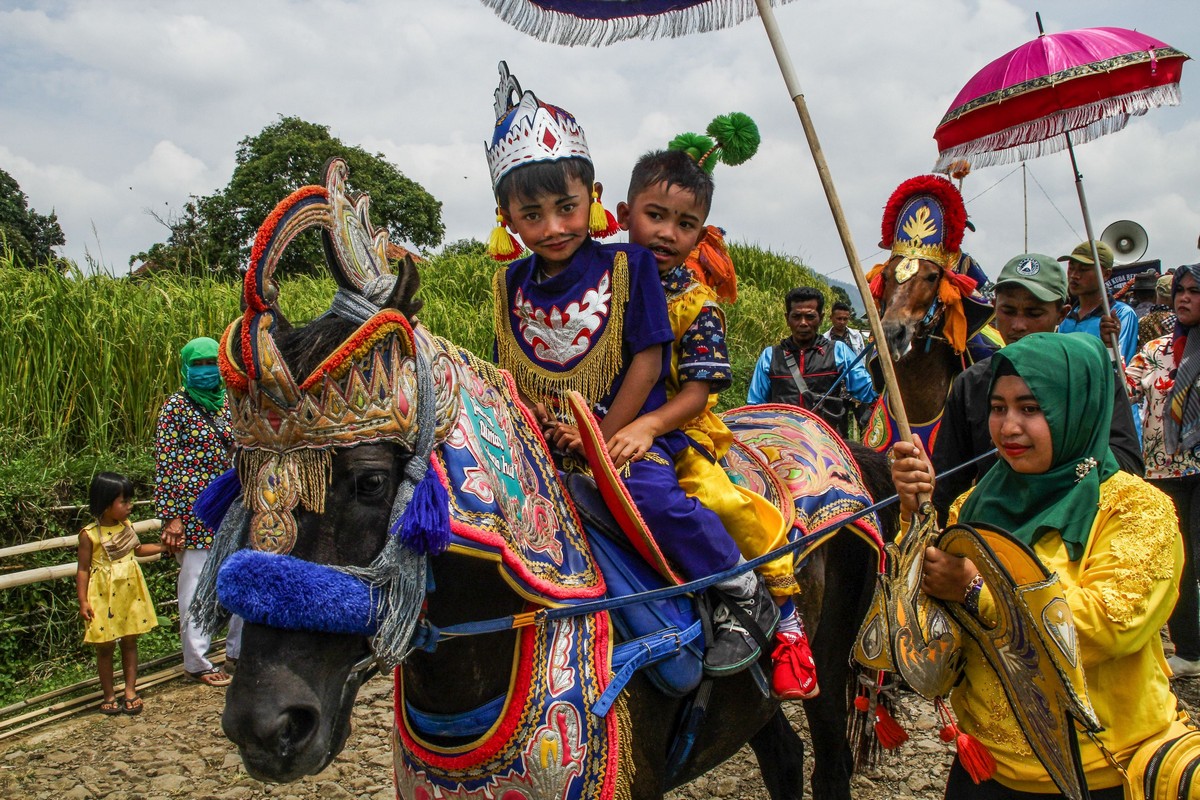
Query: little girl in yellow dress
114	599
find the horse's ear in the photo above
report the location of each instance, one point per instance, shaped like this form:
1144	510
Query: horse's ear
404	294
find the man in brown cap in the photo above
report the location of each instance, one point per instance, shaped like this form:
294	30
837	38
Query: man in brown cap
1086	287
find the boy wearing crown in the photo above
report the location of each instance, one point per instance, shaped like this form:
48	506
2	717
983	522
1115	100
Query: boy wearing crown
578	315
670	195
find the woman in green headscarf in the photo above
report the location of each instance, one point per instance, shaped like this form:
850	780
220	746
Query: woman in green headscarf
192	447
201	377
1111	537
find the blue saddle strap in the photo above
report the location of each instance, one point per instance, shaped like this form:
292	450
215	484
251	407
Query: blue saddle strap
473	723
629	657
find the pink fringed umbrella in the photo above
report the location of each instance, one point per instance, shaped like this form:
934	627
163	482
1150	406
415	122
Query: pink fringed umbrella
1059	89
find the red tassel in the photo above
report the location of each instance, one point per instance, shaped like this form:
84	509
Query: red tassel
975	758
875	282
888	731
612	227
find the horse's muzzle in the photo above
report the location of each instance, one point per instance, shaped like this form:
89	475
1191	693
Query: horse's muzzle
288	708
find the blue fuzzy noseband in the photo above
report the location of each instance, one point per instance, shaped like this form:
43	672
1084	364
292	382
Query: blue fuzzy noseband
293	594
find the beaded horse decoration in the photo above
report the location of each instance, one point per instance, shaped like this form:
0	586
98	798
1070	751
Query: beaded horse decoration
285	431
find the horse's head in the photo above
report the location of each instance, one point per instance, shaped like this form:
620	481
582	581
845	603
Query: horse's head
923	223
909	301
288	709
334	424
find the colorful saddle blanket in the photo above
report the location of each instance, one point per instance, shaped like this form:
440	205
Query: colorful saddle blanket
507	502
792	457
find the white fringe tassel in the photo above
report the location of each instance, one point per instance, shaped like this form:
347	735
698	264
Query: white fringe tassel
1044	136
566	29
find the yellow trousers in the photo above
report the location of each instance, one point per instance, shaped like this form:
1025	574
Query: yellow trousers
755	525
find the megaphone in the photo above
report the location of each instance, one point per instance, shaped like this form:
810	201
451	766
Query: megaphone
1127	239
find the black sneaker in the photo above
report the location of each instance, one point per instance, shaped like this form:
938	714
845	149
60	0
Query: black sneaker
734	647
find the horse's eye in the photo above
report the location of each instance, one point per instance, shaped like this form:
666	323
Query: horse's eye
932	277
371	485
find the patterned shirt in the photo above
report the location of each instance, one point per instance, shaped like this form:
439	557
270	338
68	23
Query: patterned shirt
702	349
1151	376
191	448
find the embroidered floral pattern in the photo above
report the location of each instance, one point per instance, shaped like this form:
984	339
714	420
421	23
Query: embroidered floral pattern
1143	547
191	448
1151	376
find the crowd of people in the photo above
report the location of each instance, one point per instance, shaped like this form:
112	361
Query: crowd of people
1097	476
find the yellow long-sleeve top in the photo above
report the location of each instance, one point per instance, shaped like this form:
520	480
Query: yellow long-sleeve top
686	299
1120	592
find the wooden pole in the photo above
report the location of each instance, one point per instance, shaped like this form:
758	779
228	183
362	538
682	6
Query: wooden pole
139	527
860	279
1114	345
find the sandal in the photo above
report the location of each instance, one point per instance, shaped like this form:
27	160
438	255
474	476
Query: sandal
133	705
110	707
211	677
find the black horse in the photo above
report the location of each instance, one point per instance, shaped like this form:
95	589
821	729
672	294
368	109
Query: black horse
289	706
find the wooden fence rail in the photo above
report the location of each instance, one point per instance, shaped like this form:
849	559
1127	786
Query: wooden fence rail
38	574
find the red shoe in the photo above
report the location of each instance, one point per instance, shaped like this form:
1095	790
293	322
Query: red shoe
793	673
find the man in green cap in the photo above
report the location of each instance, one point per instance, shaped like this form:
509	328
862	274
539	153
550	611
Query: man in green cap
1031	297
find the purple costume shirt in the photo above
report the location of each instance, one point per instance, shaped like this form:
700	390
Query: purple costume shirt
565	324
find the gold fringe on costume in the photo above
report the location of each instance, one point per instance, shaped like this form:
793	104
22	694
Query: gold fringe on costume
595	371
625	765
312	470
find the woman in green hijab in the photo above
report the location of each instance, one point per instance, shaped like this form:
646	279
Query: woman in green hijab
192	447
1111	537
201	377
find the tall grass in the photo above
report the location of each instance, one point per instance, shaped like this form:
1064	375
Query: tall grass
86	363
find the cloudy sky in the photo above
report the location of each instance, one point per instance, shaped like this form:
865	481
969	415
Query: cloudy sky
111	112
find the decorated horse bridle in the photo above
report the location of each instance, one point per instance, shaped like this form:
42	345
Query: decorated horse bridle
285	431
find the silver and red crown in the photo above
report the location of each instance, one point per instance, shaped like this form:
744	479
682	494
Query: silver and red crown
529	131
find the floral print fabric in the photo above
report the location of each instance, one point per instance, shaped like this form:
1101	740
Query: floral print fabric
1151	376
191	448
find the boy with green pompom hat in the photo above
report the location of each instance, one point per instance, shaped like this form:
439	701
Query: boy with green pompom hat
670	195
586	317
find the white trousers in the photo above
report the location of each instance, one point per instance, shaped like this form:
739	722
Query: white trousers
195	641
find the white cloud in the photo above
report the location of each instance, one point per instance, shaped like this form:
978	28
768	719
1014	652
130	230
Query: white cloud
98	97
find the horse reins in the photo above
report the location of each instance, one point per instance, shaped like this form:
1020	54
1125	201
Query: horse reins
428	635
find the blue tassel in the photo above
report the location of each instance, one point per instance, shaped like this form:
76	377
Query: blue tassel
214	501
425	525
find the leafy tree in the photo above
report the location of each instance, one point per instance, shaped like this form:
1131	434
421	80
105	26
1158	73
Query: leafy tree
27	234
217	231
465	247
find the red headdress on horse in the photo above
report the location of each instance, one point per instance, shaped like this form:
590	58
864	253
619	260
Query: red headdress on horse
924	220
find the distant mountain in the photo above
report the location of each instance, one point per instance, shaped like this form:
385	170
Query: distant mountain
852	290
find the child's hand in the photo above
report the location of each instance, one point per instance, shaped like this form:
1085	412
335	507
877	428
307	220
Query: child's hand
565	437
85	611
912	474
630	443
